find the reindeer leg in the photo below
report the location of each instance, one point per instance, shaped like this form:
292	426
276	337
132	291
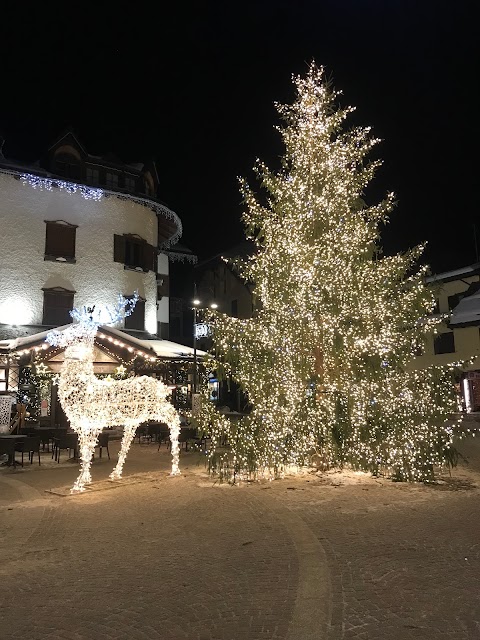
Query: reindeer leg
87	443
128	435
174	426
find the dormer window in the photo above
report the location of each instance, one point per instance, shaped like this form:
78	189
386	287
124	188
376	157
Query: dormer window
92	175
60	239
68	163
112	180
130	184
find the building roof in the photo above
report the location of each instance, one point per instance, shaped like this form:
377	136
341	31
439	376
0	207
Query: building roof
180	253
467	311
168	349
456	274
114	338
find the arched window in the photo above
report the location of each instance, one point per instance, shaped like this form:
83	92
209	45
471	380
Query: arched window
67	163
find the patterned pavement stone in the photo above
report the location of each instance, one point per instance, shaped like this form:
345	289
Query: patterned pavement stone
338	557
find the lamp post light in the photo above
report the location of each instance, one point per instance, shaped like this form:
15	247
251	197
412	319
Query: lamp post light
196	305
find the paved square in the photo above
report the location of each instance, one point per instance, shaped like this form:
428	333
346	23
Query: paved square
341	556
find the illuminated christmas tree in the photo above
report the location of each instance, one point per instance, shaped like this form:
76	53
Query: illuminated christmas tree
326	359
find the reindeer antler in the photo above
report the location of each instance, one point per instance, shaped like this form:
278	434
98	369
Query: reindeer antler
123	308
87	322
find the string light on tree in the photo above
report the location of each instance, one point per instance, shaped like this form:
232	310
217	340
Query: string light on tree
326	361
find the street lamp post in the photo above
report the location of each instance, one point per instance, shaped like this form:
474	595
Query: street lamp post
196	304
195	307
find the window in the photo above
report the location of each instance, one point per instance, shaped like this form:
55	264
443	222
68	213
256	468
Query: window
444	343
234	309
93	175
130	183
148	184
136	320
112	180
67	169
162	286
60	241
454	300
57	304
3	379
134	252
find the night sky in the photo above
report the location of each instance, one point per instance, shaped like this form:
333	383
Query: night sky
194	89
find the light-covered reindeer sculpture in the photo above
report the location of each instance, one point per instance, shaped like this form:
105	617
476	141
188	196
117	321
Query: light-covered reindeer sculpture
91	404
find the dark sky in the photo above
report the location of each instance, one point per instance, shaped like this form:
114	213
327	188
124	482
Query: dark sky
194	86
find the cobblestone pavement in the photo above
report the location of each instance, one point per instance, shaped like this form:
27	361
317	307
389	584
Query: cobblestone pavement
338	557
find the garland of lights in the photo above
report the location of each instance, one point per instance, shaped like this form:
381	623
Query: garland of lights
93	193
48	184
91	404
326	361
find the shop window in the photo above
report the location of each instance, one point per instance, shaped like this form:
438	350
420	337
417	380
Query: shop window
136	320
134	252
3	378
60	239
444	343
57	304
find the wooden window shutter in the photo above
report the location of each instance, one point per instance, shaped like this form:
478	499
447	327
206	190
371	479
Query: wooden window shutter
119	248
163	286
149	254
136	320
57	304
60	240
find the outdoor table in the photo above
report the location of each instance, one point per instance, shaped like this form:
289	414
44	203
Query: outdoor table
16	438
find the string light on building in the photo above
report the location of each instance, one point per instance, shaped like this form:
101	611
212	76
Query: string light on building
48	184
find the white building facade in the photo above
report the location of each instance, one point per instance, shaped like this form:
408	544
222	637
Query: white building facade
66	244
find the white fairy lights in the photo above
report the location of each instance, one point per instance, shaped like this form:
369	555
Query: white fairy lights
91	404
326	360
47	184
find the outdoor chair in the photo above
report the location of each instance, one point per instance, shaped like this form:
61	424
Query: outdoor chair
29	445
67	441
154	431
187	436
163	435
103	439
142	432
19	419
